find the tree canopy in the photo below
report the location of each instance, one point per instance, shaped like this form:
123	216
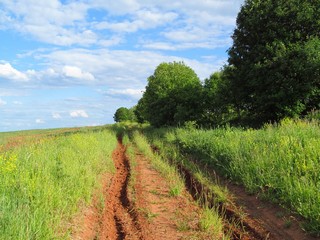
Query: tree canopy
273	72
124	114
171	96
275	58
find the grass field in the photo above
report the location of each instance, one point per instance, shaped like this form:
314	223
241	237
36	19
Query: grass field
280	162
44	182
46	176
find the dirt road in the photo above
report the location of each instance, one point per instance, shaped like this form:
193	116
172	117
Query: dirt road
145	210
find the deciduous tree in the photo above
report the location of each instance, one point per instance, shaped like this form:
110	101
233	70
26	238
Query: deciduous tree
275	59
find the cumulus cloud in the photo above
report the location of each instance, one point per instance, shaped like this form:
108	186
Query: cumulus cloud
40	121
17	102
124	69
75	72
78	114
50	21
56	116
2	102
8	72
134	93
70	23
141	20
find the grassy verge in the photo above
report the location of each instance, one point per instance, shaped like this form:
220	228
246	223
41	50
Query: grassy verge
43	183
161	164
166	158
281	162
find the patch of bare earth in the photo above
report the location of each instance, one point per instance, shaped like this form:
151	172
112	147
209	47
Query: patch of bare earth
257	219
164	216
279	222
145	211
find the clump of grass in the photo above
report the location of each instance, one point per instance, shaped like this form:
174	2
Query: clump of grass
211	222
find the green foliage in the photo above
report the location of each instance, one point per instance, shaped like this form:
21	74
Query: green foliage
216	108
281	162
123	114
275	59
44	183
171	96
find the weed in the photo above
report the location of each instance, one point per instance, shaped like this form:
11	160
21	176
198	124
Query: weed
182	226
210	221
287	222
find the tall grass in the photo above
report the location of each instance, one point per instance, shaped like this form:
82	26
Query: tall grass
163	140
42	184
282	162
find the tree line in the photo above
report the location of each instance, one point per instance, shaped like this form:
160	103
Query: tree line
273	72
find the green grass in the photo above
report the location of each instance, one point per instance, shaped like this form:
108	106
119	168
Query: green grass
281	162
43	183
160	164
162	140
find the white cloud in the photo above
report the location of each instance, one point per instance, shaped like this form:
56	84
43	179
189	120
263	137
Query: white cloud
17	103
118	7
40	121
50	21
75	72
8	72
79	113
123	69
141	20
70	23
2	102
134	93
56	116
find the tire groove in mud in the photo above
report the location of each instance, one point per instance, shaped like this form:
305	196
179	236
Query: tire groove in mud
202	193
248	227
119	220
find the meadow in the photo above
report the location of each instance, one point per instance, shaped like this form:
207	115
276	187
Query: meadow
50	175
45	181
280	162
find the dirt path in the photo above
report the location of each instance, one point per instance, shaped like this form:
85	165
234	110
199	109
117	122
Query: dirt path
260	219
165	216
147	211
118	220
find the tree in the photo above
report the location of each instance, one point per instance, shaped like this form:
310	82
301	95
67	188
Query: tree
274	59
216	108
171	96
124	114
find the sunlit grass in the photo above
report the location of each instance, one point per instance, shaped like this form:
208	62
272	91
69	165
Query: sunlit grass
43	183
161	164
281	162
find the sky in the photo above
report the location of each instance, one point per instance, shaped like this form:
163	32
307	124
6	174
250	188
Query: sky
67	63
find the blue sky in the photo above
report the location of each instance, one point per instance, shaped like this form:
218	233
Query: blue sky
73	63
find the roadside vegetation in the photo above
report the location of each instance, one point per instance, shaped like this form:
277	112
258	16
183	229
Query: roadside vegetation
280	162
256	121
165	159
44	183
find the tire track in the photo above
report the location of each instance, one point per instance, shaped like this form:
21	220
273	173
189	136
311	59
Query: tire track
118	220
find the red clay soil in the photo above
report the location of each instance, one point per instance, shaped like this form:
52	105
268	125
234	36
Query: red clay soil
146	211
165	216
281	224
261	219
